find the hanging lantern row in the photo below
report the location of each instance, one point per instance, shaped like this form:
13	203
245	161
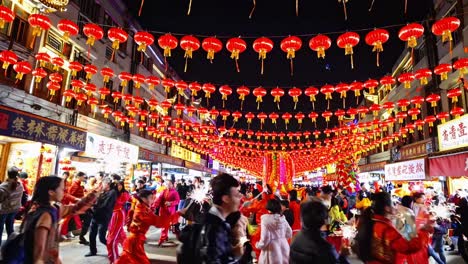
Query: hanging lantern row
263	45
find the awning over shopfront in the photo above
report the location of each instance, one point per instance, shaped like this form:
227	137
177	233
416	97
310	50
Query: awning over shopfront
194	166
19	124
452	165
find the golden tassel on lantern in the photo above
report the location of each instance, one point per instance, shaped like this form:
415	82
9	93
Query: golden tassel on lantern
207	95
407	85
455	99
210	54
447	36
259	100
90	41
37	31
142	47
235	54
167	52
38	79
19	76
295	100
115	44
444	76
423	81
321	52
291	54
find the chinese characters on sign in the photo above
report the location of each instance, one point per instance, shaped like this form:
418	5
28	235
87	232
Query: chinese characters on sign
16	124
406	171
185	154
103	147
453	134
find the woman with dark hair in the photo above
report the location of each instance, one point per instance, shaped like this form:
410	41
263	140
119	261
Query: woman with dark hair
11	192
309	245
116	233
142	219
295	208
41	223
378	241
274	235
336	214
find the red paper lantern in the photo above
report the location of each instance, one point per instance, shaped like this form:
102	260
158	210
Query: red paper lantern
39	23
167	83
236	115
457	112
320	44
53	87
444	27
43	58
419	124
417	101
153	103
179	108
77	85
273	116
347	41
259	92
103	92
152	81
389	106
342	89
406	78
69	95
8	57
387	82
225	91
22	68
262	46
352	112
93	102
138	79
340	114
403	103
443	70
93	32
242	91
189	44
6	16
286	117
433	99
290	45
212	45
299	117
236	46
90	70
39	74
410	33
453	94
277	93
371	84
195	88
56	77
327	115
124	77
376	38
462	65
414	112
208	88
107	73
313	116
68	27
58	63
442	116
167	42
75	67
401	116
295	93
430	120
312	93
90	88
375	108
422	75
117	96
117	36
327	90
143	39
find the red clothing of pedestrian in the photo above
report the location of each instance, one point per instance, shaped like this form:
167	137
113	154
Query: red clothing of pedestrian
167	203
388	243
116	233
143	219
68	198
76	189
295	208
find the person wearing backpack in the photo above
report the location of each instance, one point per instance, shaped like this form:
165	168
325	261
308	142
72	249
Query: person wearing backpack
11	192
38	240
143	218
209	242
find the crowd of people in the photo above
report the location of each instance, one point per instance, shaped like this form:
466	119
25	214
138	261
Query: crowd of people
226	221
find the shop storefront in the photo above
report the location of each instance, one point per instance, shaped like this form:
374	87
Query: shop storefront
192	161
32	143
370	173
159	165
103	154
409	176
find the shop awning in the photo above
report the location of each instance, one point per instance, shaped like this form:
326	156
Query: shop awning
194	166
452	165
149	155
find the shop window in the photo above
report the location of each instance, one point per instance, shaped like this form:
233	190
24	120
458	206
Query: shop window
90	9
40	89
56	43
9	79
19	32
109	53
108	22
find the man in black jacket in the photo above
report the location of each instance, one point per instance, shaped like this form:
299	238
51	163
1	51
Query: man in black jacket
102	213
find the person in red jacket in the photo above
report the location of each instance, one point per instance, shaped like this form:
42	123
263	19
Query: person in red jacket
71	222
295	207
167	203
143	219
116	233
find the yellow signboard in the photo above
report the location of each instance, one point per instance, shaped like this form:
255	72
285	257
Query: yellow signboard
185	154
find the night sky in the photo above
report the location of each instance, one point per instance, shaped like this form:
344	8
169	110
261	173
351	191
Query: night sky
227	19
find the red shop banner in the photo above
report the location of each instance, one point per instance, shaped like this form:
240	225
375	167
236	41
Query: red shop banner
451	165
